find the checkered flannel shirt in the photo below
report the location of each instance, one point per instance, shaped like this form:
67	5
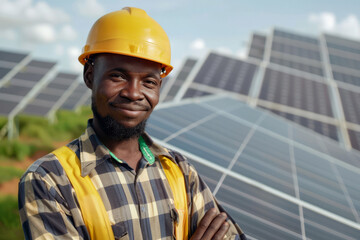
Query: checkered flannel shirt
139	204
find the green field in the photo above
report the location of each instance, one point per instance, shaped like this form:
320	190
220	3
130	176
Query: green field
35	134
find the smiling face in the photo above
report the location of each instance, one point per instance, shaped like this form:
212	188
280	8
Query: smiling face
125	90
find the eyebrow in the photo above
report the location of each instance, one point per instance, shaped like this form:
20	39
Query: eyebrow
155	74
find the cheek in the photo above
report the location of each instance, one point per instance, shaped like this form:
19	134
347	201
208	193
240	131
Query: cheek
153	97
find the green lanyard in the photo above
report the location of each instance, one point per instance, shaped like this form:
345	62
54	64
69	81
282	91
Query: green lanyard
145	150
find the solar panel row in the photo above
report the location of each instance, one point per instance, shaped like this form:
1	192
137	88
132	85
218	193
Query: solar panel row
261	170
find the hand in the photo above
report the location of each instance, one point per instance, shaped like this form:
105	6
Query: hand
212	226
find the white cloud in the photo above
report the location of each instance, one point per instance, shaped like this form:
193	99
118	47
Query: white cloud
40	33
90	8
19	13
242	52
72	55
198	44
8	34
327	22
67	33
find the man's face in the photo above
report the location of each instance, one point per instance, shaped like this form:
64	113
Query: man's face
125	90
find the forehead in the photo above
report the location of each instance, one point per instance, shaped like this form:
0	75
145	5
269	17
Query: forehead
107	62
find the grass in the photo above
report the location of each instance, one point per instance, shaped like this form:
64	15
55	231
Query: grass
36	133
8	173
10	226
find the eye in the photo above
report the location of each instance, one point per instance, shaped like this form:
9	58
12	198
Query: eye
151	82
116	76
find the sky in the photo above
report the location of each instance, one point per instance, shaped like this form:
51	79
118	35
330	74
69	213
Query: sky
57	30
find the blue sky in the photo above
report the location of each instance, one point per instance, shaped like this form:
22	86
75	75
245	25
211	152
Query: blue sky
57	30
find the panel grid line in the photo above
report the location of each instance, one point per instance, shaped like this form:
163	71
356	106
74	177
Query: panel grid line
296	183
238	153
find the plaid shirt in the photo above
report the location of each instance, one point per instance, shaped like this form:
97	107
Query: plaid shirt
139	203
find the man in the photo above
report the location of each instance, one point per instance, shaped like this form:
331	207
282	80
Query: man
113	181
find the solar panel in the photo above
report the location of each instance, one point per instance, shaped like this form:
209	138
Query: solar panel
344	62
263	171
342	44
350	102
355	139
14	57
46	101
295	91
297	65
222	72
78	97
171	86
326	129
296	51
346	78
25	83
257	46
296	37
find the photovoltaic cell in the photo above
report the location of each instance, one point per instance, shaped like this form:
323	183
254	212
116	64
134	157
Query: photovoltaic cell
320	227
257	46
6	107
355	139
326	191
346	78
328	130
350	103
11	56
48	96
295	91
344	62
41	64
4	71
297	65
346	45
75	97
297	37
180	78
226	73
296	51
271	166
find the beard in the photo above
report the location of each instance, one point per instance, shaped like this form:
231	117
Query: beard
116	131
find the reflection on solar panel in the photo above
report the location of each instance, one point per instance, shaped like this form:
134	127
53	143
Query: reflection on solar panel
328	130
276	179
49	99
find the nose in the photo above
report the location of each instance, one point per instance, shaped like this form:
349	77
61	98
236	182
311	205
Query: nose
132	90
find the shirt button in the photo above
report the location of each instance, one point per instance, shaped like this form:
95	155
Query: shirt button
142	208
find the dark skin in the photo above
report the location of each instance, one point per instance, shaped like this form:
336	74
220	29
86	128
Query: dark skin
128	89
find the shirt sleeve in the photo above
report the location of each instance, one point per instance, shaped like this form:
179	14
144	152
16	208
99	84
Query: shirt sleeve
43	212
202	200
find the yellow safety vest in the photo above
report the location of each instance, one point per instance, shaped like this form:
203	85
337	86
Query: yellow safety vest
97	220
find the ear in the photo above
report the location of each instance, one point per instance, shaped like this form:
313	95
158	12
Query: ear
88	75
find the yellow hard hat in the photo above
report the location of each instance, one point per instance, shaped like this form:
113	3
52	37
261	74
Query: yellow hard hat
130	32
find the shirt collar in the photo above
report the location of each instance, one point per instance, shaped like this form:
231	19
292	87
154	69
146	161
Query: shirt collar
93	152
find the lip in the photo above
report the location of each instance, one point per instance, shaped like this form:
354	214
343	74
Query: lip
129	111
